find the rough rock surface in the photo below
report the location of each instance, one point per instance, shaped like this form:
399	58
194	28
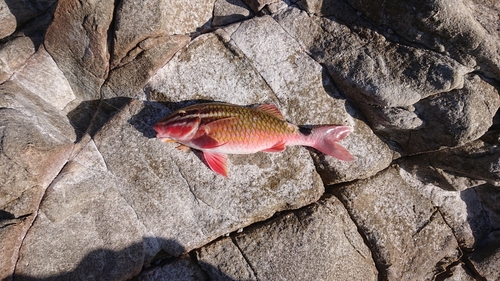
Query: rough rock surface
88	193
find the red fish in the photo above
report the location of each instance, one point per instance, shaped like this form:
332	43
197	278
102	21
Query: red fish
218	129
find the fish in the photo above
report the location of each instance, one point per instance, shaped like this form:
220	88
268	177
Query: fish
218	129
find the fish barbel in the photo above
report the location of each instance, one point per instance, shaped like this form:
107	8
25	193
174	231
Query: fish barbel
218	129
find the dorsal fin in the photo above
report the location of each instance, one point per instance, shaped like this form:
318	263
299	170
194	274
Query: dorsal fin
271	109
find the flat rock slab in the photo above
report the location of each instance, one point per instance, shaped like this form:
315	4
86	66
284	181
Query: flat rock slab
410	235
35	143
248	73
318	242
163	193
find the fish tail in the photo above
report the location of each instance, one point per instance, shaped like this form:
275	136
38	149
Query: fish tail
325	139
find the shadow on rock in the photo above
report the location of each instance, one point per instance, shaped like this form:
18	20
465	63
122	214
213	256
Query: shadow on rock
481	201
484	219
128	264
89	116
32	17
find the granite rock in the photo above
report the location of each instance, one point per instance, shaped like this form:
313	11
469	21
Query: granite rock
322	233
88	192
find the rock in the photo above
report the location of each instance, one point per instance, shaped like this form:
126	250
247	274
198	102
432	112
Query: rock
14	14
462	115
320	235
398	76
486	255
151	54
470	212
138	21
408	122
35	144
164	193
462	211
409	237
41	76
230	11
337	8
458	168
77	39
257	5
15	51
89	192
13	55
190	75
449	119
223	260
464	29
183	268
72	217
459	273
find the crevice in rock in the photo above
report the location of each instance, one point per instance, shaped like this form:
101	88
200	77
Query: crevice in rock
233	44
468	264
252	268
196	198
110	39
381	267
6	221
447	271
37	209
462	259
428	221
194	260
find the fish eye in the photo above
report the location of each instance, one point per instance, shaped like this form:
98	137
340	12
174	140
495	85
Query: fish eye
181	113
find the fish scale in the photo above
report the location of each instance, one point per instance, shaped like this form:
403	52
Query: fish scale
218	129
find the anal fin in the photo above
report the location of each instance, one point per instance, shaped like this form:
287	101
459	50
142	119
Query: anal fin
278	147
217	162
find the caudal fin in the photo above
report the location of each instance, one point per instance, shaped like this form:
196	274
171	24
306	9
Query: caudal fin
325	139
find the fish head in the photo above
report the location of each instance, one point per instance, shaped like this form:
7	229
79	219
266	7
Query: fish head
179	126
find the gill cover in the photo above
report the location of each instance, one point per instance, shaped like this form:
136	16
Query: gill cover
179	126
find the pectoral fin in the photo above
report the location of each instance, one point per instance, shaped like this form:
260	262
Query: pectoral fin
207	142
217	162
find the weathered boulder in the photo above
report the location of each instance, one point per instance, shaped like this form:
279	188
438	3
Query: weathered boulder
77	39
458	168
88	192
139	21
163	193
462	29
14	14
410	238
35	144
321	234
142	62
13	55
396	87
183	268
52	86
446	120
226	12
